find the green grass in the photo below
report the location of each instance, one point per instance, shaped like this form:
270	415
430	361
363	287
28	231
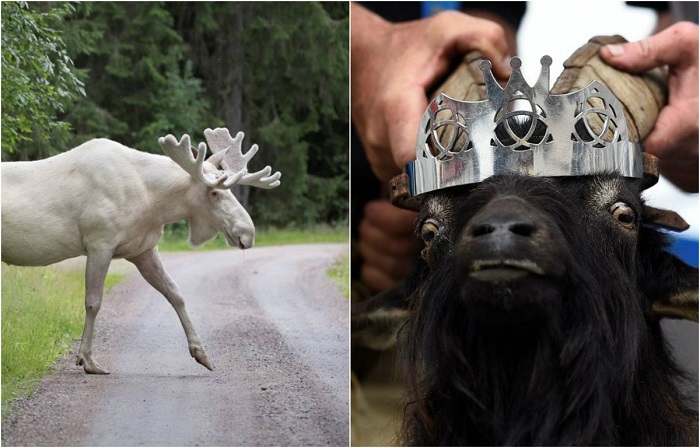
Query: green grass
42	312
176	239
340	273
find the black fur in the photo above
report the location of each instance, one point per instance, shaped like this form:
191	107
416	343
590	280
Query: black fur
545	360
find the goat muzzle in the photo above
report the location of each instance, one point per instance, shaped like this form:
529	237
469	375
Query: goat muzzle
507	240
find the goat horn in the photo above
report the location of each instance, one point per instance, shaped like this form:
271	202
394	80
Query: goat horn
651	171
400	193
642	95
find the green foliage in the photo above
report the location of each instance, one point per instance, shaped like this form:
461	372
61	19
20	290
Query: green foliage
277	71
302	110
141	85
340	273
38	79
42	312
179	104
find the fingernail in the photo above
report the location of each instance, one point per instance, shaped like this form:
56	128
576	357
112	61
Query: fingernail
615	50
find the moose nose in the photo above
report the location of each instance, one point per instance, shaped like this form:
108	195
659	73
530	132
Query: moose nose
246	241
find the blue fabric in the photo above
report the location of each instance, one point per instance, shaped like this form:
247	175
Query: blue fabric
430	8
686	249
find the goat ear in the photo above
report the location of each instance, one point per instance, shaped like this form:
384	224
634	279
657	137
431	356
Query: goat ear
375	322
672	287
668	219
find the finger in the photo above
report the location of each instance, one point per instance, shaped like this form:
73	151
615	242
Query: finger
683	174
499	57
404	119
393	220
382	162
670	131
676	46
372	133
393	266
401	246
467	33
633	57
376	278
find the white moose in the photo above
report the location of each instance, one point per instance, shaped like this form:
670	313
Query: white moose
107	201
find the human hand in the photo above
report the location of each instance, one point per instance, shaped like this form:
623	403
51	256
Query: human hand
387	244
674	137
393	65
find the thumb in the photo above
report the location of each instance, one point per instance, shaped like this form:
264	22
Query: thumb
635	56
675	46
406	121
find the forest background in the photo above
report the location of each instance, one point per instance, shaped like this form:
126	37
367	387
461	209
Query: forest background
136	71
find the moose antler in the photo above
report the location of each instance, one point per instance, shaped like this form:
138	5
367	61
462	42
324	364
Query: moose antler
181	153
227	152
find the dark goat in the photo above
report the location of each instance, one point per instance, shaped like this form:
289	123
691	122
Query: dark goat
529	319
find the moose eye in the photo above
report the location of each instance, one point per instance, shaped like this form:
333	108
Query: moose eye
623	214
428	230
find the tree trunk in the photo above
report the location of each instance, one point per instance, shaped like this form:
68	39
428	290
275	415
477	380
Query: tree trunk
233	90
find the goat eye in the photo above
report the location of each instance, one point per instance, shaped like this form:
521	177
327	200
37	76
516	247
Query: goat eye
624	214
428	231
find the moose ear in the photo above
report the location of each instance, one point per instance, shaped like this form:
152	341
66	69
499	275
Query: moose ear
670	284
216	158
375	322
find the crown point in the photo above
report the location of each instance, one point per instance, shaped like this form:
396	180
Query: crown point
515	62
485	65
546	61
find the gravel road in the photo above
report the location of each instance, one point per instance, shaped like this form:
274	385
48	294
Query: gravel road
274	326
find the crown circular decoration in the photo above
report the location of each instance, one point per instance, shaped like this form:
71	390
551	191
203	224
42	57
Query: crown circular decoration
448	134
585	120
522	129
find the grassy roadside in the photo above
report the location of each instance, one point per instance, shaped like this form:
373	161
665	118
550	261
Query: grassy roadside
42	312
340	273
175	239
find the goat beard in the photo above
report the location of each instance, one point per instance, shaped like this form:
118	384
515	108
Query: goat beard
525	305
532	378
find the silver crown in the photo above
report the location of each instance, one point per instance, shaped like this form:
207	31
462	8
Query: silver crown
522	129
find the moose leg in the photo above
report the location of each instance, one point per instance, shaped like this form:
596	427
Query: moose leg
95	273
151	268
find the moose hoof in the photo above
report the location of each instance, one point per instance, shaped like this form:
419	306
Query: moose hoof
201	357
90	366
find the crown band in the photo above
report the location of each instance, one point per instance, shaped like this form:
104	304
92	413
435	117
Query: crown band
522	129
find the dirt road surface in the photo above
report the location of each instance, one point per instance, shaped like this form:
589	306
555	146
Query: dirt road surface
274	327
